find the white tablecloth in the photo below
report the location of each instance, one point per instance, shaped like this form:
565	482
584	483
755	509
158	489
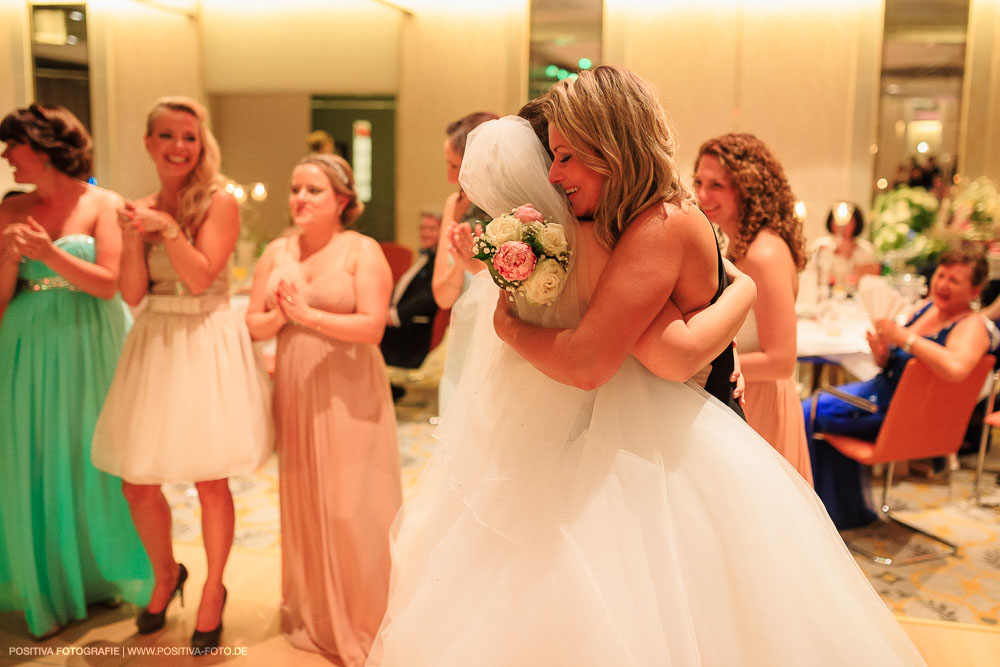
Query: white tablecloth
835	331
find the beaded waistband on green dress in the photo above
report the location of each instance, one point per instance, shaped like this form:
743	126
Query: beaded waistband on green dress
50	282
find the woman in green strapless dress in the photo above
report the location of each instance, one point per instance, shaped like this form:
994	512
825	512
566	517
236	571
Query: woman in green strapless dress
66	537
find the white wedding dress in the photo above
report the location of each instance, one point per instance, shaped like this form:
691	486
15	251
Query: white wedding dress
638	524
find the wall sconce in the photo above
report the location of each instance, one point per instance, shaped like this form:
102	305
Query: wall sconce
258	191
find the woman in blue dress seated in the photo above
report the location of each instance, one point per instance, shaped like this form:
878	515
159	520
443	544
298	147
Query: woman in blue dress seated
946	335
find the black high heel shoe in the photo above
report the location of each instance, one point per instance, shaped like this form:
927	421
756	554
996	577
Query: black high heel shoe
202	643
149	622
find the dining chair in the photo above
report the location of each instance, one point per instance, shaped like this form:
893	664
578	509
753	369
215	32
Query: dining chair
927	417
399	257
991	420
441	321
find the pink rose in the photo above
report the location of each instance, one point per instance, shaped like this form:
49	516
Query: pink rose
526	213
514	260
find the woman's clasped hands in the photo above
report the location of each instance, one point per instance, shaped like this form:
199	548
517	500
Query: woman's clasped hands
294	307
138	221
462	243
26	239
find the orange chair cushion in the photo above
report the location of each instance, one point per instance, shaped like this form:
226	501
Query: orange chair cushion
860	450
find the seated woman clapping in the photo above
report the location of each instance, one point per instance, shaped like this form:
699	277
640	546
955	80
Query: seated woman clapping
946	335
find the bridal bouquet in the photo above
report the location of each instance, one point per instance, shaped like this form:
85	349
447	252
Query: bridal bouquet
525	254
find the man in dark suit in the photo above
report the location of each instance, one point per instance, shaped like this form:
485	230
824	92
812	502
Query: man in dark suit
410	319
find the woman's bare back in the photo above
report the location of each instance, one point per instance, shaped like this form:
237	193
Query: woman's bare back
697	277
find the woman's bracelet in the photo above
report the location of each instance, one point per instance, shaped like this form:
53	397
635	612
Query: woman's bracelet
910	340
319	319
170	231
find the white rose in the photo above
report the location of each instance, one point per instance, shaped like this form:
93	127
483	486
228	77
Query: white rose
503	229
545	283
553	239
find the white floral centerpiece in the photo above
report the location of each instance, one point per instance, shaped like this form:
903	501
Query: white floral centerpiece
975	209
901	226
525	254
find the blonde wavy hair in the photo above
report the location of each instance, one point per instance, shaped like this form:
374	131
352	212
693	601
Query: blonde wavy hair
613	122
338	171
204	180
766	197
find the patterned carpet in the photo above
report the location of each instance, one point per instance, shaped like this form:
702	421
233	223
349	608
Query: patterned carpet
964	588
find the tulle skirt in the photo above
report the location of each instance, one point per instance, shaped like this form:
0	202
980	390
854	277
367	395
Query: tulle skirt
641	523
190	400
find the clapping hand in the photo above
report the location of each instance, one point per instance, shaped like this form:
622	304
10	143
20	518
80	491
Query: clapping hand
151	221
890	333
291	303
879	342
461	240
132	231
143	222
8	247
28	239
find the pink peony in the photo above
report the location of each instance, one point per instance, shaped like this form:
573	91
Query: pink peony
514	260
526	213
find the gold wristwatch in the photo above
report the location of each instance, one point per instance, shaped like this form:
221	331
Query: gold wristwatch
170	231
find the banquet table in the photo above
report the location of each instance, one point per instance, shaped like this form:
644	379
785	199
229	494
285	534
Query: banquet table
834	332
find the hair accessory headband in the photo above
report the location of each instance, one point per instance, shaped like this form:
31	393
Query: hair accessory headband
337	168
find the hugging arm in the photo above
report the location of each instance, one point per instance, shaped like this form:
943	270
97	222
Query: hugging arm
676	350
633	289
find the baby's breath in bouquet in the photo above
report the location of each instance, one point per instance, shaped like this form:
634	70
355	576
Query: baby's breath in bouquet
526	254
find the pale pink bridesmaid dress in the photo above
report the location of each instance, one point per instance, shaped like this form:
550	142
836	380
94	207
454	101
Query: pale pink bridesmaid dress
339	470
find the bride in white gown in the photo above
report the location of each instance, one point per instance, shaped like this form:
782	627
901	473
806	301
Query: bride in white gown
641	523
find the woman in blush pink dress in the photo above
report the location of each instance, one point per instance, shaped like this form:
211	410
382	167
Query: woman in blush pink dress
742	188
324	293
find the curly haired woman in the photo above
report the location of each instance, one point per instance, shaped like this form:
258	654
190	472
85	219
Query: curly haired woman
742	188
